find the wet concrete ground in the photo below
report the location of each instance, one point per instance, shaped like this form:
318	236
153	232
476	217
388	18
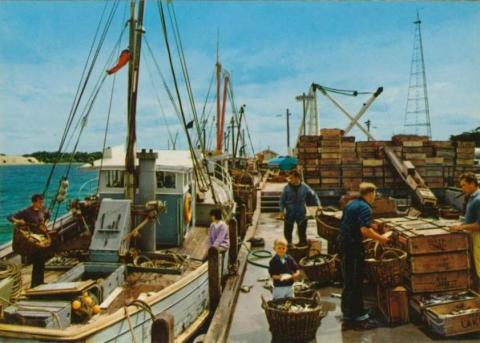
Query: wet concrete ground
250	324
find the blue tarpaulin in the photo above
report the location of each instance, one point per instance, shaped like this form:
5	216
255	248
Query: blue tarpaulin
283	162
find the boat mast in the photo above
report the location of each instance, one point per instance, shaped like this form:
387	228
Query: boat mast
135	42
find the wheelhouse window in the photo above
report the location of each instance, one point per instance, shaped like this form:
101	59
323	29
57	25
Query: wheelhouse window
115	179
166	180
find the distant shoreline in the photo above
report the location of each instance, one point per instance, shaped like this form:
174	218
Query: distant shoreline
46	157
35	164
16	160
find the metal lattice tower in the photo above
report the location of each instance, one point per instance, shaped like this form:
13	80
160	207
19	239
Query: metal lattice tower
309	124
417	113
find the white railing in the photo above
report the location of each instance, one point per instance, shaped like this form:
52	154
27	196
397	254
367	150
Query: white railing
85	184
222	175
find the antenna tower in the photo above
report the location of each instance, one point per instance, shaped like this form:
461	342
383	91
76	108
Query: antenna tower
417	113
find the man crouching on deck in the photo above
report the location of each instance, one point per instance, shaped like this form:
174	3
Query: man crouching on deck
356	224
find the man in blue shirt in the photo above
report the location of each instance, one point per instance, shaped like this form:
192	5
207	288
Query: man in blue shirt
293	207
469	184
355	225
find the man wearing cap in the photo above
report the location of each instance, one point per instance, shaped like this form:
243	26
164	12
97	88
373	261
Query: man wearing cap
293	207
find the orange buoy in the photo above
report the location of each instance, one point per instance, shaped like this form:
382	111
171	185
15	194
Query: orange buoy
76	304
187	208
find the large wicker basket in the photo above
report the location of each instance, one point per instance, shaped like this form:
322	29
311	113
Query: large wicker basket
299	252
26	243
387	270
326	228
287	326
322	272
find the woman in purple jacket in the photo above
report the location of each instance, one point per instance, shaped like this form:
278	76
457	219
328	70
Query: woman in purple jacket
218	231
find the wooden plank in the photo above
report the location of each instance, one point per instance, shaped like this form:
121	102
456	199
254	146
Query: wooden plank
431	241
412	143
438	282
439	262
372	163
111	297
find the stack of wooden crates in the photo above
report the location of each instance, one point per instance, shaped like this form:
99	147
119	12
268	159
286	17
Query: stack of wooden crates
332	160
308	154
330	157
438	261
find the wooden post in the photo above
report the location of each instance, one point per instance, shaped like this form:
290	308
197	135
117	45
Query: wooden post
214	286
242	221
233	235
162	328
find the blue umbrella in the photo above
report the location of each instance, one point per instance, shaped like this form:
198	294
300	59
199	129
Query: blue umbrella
283	162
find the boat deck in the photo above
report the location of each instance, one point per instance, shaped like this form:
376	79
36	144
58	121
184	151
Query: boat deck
249	324
195	246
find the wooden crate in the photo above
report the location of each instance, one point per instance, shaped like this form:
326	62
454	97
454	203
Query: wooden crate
434	160
393	304
442	322
331	150
348	139
465	162
332	132
329	162
330	144
453	261
438	282
465	144
366	149
352	172
331	156
330	180
415	156
372	163
351	160
312	181
413	143
330	173
436	240
441	144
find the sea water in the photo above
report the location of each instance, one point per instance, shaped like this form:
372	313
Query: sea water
19	183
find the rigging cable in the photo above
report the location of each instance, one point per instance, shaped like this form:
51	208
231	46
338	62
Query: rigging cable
84	79
183	64
198	171
106	128
164	116
165	34
164	82
203	118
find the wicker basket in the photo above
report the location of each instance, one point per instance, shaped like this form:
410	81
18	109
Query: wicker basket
288	326
26	243
389	269
323	272
299	252
325	229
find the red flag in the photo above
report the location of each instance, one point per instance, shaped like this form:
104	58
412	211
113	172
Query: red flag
122	60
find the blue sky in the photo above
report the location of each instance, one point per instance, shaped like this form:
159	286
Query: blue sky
274	51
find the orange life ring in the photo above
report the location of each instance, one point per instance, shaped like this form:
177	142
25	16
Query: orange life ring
187	208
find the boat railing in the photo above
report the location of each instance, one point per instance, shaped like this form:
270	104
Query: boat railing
222	175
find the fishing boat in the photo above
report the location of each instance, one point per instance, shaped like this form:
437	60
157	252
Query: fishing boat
130	262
